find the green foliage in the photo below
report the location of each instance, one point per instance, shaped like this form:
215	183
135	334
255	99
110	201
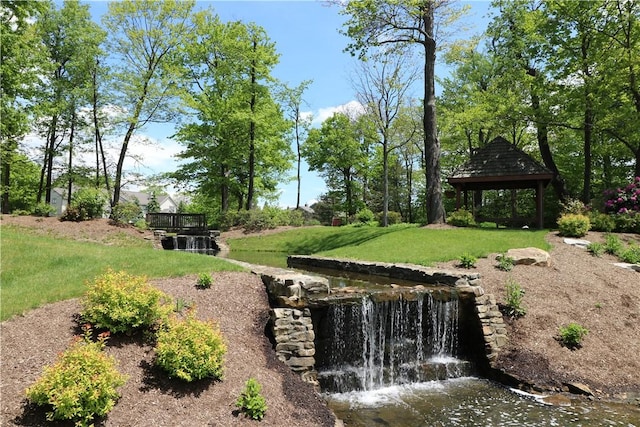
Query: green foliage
81	385
365	215
612	244
153	206
628	222
121	302
573	206
505	263
141	224
467	260
631	254
190	349
573	225
43	209
595	249
86	203
461	218
126	212
514	297
393	217
572	335
602	222
251	402
204	281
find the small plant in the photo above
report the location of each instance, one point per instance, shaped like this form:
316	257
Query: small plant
631	254
43	209
190	349
365	215
461	218
572	334
181	305
467	261
599	305
505	263
602	222
204	281
596	249
121	302
514	297
574	225
612	244
81	385
251	402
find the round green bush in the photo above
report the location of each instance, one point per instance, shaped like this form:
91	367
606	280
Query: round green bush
190	349
574	225
461	218
121	302
81	385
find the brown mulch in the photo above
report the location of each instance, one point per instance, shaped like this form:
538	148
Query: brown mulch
576	288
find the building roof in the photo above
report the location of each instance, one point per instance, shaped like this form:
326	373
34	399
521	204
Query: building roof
500	165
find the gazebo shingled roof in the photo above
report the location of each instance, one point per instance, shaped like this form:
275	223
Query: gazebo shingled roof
502	165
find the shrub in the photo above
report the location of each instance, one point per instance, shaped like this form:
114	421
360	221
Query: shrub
505	263
81	385
574	225
631	254
190	349
514	297
90	202
573	206
612	244
467	261
461	218
141	224
204	281
126	212
120	302
365	215
43	209
251	402
602	222
572	334
628	222
624	200
595	249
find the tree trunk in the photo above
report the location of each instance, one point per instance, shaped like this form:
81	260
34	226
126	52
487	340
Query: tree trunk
252	131
6	177
435	208
70	164
51	147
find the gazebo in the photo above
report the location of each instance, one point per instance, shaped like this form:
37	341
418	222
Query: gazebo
501	165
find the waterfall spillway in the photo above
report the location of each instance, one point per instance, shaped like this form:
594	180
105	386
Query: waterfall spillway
371	344
191	243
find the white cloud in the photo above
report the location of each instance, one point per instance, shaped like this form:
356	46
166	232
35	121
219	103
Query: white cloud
351	108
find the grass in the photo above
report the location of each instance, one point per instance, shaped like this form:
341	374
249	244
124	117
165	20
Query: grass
38	269
401	243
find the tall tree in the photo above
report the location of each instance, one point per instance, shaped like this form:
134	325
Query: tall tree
337	152
144	36
292	100
20	55
382	89
380	23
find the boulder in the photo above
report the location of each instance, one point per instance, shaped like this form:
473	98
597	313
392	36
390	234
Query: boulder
530	256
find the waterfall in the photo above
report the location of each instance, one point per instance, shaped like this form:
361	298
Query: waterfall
372	344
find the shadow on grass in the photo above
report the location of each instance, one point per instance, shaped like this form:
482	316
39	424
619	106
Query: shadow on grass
346	237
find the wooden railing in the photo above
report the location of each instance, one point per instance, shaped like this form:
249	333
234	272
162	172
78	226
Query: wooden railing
176	222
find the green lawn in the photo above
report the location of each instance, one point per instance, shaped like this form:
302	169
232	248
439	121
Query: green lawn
401	243
40	269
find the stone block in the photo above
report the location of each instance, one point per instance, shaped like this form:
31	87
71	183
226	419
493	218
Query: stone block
306	362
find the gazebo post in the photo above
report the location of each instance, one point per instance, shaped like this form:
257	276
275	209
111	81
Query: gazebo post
540	204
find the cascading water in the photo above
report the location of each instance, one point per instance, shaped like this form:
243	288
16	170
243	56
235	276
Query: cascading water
374	344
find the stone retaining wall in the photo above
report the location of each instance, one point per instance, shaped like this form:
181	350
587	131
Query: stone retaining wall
292	294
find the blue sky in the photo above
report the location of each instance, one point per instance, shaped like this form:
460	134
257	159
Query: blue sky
306	34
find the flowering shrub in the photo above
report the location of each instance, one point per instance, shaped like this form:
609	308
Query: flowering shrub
190	349
624	200
121	302
81	384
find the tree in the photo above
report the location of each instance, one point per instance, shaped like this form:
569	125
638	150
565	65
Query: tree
144	36
20	55
382	89
379	23
292	100
337	151
236	147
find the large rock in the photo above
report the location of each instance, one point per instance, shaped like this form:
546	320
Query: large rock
530	256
